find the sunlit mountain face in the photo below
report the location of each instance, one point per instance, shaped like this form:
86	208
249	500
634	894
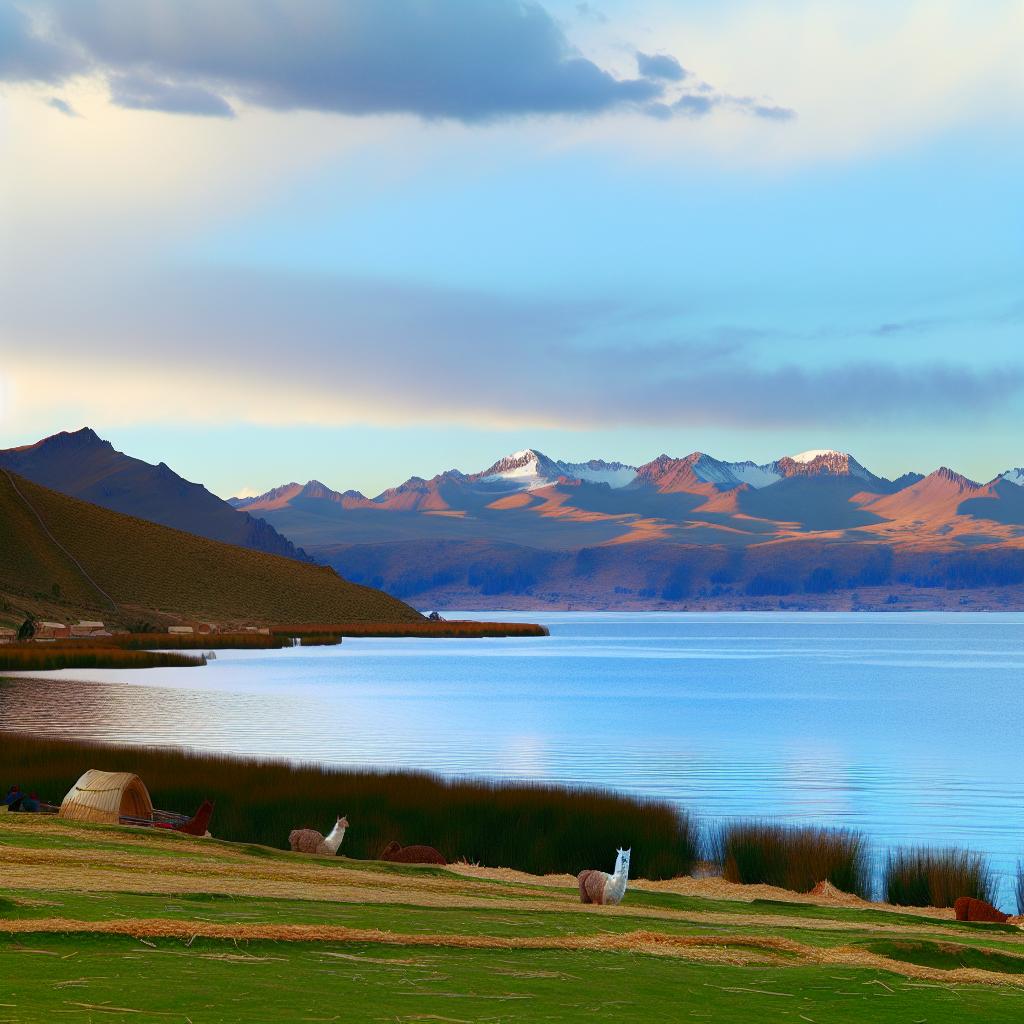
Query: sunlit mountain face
816	527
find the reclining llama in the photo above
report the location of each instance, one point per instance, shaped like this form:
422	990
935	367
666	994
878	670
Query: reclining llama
600	887
412	854
308	840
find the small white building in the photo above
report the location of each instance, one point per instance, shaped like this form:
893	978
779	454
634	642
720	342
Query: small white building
51	630
180	630
89	628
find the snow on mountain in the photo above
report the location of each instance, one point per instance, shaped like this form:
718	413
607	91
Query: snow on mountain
814	453
823	461
597	471
1013	476
530	469
732	474
754	475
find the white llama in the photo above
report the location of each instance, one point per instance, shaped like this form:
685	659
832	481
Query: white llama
600	887
308	840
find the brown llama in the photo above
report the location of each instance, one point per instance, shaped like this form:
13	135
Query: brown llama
199	823
967	908
411	854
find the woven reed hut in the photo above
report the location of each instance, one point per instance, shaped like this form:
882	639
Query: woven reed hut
106	796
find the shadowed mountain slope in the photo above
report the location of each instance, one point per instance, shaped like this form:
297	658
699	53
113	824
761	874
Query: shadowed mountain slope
83	465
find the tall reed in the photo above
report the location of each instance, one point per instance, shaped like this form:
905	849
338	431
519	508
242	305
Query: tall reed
1018	887
540	829
793	857
925	877
201	641
49	657
424	628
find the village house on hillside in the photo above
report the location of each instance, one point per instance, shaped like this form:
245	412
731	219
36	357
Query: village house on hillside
89	628
7	635
51	630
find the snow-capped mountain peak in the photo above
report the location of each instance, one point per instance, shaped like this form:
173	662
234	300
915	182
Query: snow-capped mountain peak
527	468
824	462
530	469
815	453
1013	476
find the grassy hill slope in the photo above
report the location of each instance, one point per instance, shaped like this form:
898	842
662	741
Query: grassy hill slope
98	922
148	569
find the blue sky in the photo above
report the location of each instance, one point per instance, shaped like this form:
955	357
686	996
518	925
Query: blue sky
477	227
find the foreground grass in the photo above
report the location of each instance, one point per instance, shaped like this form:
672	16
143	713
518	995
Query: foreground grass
660	956
86	978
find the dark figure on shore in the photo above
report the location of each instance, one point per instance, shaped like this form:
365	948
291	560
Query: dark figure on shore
967	908
411	854
30	804
14	798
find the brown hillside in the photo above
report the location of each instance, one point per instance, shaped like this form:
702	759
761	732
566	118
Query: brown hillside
144	567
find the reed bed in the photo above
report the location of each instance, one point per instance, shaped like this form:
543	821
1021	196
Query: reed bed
793	857
49	657
540	829
1018	887
320	640
425	628
925	877
202	641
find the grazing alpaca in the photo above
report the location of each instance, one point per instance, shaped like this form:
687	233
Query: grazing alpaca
308	840
411	854
600	887
967	908
199	823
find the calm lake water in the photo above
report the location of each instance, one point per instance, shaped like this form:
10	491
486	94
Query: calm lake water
909	726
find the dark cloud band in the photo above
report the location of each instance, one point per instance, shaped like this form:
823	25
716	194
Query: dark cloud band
467	60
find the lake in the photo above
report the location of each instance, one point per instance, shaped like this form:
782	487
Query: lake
908	726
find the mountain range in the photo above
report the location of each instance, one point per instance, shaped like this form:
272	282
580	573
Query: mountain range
812	530
816	529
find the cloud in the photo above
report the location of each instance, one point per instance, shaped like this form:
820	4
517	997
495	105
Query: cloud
62	105
702	103
465	60
26	55
592	13
137	92
469	60
660	65
334	350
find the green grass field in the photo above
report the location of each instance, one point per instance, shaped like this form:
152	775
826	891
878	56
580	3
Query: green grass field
107	924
